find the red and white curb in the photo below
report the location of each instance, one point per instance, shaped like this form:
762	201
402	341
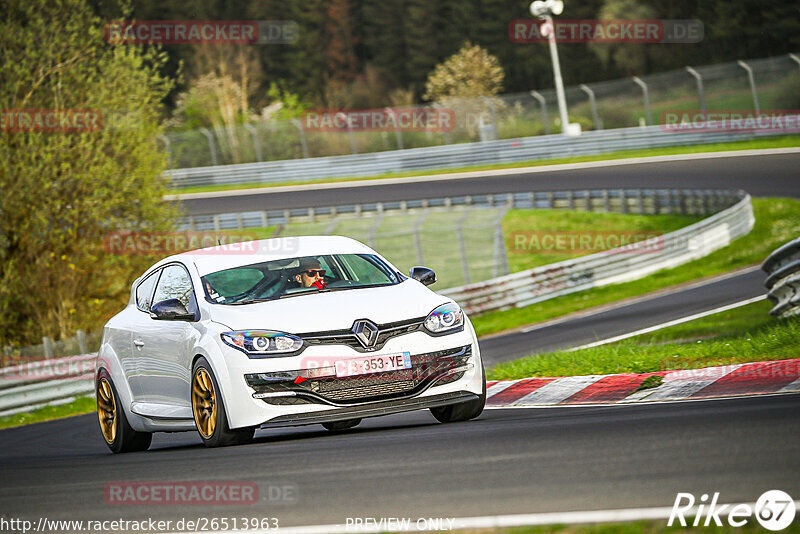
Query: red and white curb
728	380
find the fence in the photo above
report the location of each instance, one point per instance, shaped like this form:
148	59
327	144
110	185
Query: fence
81	343
524	288
770	83
27	385
783	282
450	156
432	231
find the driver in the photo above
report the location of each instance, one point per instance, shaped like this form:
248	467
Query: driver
310	274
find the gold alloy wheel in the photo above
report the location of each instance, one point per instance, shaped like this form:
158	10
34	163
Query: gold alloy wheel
107	410
204	403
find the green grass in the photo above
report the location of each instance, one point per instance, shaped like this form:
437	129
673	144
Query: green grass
745	334
79	406
523	252
739	335
441	250
775	142
777	221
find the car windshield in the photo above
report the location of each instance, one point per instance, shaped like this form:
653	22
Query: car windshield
290	277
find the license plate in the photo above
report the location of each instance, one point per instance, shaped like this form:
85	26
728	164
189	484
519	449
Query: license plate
373	364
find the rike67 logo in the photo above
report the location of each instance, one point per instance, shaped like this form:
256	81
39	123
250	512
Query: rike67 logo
774	510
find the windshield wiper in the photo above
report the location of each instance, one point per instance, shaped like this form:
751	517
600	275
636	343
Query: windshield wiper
306	292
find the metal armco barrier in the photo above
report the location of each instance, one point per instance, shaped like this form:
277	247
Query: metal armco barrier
32	384
622	264
450	156
783	280
636	201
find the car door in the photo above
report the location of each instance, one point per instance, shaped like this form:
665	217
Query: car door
166	345
138	319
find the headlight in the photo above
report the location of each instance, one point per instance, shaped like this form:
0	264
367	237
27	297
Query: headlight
444	318
262	342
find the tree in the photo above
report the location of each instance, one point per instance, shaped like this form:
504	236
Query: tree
340	54
471	72
63	192
630	58
223	89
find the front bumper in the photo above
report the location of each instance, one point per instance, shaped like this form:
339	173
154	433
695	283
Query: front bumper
302	387
373	409
286	403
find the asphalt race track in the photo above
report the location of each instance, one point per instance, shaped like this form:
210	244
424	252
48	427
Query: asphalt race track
507	461
766	175
642	313
770	175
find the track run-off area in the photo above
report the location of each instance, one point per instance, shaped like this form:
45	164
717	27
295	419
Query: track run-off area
509	460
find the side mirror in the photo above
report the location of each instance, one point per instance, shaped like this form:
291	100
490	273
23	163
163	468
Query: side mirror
423	275
170	310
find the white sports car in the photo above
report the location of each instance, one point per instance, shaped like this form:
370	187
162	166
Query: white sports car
281	332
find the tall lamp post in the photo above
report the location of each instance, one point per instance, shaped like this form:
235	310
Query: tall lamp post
544	10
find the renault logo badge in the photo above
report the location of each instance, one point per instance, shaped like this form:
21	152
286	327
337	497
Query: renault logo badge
366	332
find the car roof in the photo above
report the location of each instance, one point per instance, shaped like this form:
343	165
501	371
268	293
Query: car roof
221	257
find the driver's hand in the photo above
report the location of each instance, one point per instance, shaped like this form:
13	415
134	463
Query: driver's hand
319	283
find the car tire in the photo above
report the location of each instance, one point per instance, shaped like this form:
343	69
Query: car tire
341	425
463	411
208	410
114	426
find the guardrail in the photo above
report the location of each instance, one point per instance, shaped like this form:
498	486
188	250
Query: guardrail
33	384
637	201
622	264
450	156
783	280
30	385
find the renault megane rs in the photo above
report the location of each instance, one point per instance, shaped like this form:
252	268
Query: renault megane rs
281	332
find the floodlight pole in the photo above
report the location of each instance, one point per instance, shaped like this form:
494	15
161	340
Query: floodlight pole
562	99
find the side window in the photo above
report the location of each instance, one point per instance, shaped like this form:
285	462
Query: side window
232	282
144	292
174	284
365	271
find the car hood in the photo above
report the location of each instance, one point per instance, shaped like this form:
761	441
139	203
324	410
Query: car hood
336	310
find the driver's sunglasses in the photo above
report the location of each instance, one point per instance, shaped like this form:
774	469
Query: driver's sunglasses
311	273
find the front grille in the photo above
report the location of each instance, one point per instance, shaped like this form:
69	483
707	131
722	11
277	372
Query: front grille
347	337
372	390
426	369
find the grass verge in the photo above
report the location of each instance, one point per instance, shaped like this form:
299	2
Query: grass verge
80	405
775	142
745	334
526	232
777	221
